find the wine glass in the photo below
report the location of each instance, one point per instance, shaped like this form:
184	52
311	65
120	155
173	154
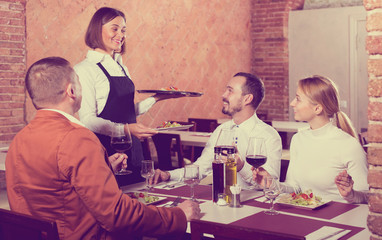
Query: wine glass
121	142
226	140
271	191
191	178
147	171
256	152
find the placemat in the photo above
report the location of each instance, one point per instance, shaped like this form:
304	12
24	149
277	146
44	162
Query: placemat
328	211
201	192
287	224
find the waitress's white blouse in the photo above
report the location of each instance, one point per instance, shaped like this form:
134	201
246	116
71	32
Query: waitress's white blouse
96	88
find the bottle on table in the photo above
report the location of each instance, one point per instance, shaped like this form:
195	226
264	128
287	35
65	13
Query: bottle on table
218	175
230	172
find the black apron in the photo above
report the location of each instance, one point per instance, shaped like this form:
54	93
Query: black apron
120	108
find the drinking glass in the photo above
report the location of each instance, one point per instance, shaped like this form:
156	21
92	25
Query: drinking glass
191	178
147	171
121	142
256	152
226	138
271	191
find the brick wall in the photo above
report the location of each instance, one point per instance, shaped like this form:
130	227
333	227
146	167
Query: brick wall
270	53
12	68
374	48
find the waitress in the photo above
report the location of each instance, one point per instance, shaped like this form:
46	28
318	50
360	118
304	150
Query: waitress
108	92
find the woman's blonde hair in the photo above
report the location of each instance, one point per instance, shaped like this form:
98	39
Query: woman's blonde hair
323	91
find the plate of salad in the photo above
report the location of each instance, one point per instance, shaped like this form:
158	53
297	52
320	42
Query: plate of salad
168	125
145	198
306	200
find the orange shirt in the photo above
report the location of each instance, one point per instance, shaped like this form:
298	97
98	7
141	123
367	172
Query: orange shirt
58	170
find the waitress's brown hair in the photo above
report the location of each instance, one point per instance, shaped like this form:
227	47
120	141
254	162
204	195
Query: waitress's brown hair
323	91
93	36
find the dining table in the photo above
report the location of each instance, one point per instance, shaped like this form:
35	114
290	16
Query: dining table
349	219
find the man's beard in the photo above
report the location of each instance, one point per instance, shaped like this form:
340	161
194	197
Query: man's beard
231	112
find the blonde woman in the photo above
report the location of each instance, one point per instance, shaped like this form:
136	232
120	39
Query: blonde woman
326	158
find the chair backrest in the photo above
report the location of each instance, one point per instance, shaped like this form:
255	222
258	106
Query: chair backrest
283	169
226	231
163	144
16	226
204	125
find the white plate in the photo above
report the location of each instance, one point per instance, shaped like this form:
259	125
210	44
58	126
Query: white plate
183	127
285	198
159	199
142	200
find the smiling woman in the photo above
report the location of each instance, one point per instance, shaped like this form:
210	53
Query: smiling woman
108	91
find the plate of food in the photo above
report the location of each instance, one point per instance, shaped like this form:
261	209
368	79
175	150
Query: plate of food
172	91
306	200
168	125
145	198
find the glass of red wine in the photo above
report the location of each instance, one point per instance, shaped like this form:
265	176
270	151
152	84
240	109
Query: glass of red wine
121	142
256	152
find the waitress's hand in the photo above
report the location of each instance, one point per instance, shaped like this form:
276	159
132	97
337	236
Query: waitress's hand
140	131
118	161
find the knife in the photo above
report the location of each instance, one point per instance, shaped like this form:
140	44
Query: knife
176	202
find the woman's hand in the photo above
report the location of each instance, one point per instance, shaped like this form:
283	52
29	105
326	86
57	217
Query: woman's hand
344	183
118	161
140	131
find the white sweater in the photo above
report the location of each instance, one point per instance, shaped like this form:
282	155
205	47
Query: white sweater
318	156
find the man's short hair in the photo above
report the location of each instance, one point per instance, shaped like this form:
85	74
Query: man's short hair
253	85
46	81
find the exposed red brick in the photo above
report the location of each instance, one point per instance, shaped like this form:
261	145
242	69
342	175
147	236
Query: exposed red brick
375	178
375	111
375	203
374	223
374	133
372	4
374	22
374	156
375	66
374	44
375	87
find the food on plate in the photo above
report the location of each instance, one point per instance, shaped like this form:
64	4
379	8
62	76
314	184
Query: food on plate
171	88
169	124
143	197
306	198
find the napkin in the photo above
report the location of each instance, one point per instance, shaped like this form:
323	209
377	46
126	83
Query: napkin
327	233
235	189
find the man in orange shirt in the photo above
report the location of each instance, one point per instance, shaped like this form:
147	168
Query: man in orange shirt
58	170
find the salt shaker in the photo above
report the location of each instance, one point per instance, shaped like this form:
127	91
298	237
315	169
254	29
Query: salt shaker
235	201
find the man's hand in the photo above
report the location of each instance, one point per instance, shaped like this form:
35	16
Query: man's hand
191	209
259	174
344	183
118	161
160	176
139	130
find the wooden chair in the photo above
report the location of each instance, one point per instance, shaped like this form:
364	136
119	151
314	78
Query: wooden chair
16	226
363	140
164	145
225	231
204	125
